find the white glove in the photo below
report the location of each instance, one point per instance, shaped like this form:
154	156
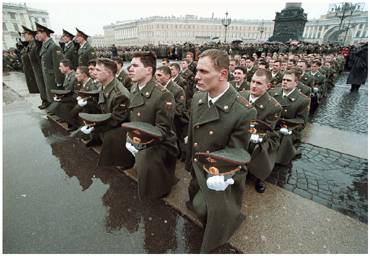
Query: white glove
285	131
186	139
78	98
255	138
131	148
315	89
87	129
218	183
59	85
56	98
81	102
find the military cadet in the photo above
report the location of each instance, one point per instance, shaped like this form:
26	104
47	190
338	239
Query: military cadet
64	102
188	75
121	75
277	75
291	64
192	63
264	141
149	103
178	79
331	74
243	62
304	89
70	50
181	119
293	116
240	83
33	50
85	52
114	99
263	64
220	120
51	55
27	67
249	63
318	78
232	67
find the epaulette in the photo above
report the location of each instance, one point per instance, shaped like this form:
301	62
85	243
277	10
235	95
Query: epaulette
243	101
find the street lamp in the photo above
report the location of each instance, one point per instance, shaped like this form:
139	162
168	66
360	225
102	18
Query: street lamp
343	11
226	22
261	29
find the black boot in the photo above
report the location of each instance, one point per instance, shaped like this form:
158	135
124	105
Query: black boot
260	186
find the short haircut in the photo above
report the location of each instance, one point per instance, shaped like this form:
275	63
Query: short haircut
317	62
92	62
166	70
67	63
264	72
118	60
107	63
263	62
83	70
186	60
304	61
176	66
191	54
241	69
293	60
294	72
250	58
277	61
219	58
149	59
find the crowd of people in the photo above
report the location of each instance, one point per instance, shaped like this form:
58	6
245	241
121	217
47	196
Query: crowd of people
227	111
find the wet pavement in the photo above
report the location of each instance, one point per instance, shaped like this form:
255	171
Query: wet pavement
336	180
57	201
344	110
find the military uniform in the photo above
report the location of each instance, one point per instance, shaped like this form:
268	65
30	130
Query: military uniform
319	82
304	89
51	55
70	52
33	51
156	164
263	154
250	73
187	86
245	86
28	72
223	125
295	112
85	54
307	79
276	79
193	67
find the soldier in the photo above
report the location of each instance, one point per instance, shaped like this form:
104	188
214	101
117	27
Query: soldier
188	75
113	99
293	116
178	79
249	63
33	52
181	119
220	120
85	52
232	67
240	83
69	50
155	163
51	55
277	75
192	63
318	78
264	141
27	68
121	75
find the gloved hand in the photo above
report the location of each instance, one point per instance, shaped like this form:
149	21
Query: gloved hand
87	129
78	98
186	139
81	102
56	98
218	183
255	138
131	148
285	131
59	85
315	89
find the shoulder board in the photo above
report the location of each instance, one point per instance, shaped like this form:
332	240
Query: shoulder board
244	102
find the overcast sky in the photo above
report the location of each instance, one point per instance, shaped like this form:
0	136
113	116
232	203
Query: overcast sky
91	15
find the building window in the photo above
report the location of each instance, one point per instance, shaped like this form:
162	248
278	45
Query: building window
15	26
4	27
43	20
12	15
36	19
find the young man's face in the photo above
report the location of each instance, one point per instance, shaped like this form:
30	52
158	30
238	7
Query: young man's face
80	76
103	74
249	63
184	65
174	71
276	67
92	73
239	76
161	77
63	69
232	66
302	66
207	77
41	36
289	82
137	71
314	67
259	85
66	39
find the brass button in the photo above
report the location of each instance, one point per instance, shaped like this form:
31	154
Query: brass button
195	144
226	107
197	127
138	114
210	132
285	110
195	160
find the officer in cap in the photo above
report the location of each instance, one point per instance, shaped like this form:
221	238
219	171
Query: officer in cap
70	50
33	51
85	52
51	55
26	65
